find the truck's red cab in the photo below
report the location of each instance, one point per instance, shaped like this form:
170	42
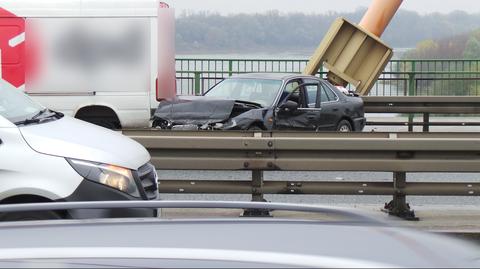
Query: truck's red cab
12	48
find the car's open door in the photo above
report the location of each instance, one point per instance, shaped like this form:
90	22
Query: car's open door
294	111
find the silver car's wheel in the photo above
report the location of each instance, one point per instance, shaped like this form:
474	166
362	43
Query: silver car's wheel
344	127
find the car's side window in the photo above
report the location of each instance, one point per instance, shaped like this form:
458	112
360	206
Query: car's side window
328	95
312	93
332	97
297	96
312	96
292	85
324	95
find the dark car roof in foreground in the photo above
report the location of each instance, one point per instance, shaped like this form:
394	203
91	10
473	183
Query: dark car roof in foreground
277	76
301	243
244	241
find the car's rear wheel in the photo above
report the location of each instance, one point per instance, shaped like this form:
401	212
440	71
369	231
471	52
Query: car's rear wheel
344	126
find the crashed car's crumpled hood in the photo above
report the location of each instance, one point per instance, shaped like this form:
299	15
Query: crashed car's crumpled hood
198	110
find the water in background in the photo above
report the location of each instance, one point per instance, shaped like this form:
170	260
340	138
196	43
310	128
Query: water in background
291	55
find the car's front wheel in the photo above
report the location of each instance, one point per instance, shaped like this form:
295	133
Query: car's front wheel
254	129
344	126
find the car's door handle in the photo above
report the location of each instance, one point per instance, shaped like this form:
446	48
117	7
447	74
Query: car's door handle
311	117
335	110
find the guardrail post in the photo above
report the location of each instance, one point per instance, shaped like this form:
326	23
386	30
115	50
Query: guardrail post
411	92
257	186
257	196
230	68
398	206
426	122
197	82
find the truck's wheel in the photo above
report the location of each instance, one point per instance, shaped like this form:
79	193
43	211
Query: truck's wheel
105	124
101	116
29	216
344	126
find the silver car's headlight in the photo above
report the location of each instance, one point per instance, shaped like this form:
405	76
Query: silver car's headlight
113	176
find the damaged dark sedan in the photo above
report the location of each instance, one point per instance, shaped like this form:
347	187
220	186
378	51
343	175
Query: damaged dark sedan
265	102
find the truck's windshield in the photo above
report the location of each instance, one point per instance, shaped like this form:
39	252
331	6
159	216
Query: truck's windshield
260	91
16	106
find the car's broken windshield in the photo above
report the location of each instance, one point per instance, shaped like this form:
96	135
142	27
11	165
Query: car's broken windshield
260	91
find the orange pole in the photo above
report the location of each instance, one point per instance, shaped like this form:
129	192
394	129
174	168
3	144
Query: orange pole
166	84
379	15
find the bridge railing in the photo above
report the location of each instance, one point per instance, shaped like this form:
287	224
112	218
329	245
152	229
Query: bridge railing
400	78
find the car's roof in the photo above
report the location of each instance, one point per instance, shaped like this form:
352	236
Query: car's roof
278	76
254	236
254	241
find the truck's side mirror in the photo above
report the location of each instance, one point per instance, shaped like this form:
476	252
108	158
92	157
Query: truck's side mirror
289	106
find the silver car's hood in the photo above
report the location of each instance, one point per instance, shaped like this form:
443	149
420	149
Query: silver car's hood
72	138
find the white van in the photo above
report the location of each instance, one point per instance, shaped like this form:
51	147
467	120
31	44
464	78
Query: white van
95	60
46	156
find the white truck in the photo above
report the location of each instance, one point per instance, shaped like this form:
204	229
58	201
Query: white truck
95	60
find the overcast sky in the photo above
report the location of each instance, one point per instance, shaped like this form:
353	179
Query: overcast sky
317	6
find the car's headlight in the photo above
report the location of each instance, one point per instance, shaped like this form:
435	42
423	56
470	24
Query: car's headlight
113	176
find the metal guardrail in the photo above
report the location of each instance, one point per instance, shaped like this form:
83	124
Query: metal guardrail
382	152
426	105
400	77
399	153
423	104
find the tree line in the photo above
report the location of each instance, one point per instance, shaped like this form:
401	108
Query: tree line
273	31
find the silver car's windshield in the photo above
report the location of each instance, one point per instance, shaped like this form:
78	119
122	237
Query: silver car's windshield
16	106
260	91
